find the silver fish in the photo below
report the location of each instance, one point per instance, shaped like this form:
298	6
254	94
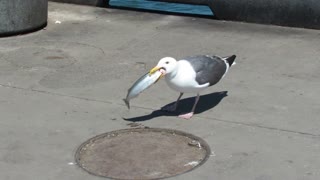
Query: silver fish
142	84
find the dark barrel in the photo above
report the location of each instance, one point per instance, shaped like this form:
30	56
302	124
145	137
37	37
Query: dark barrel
22	16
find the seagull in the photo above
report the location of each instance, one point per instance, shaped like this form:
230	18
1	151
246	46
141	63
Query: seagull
192	75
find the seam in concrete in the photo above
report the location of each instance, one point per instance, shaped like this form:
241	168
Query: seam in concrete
140	107
71	42
244	124
265	127
54	94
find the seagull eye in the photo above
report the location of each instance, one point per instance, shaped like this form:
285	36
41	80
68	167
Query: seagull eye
167	62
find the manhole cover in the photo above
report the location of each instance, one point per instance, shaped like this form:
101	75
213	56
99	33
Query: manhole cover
142	153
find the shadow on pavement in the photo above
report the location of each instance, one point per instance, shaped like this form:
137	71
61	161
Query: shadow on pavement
206	102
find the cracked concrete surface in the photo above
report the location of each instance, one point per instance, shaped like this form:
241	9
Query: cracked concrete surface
62	85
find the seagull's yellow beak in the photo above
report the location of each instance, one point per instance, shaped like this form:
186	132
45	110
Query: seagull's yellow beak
153	70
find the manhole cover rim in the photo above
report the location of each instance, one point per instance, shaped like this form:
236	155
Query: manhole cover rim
203	144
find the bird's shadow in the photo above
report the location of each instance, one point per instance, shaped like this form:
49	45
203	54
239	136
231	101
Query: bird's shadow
205	103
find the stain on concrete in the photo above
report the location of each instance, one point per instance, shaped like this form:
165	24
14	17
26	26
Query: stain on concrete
16	153
92	66
35	57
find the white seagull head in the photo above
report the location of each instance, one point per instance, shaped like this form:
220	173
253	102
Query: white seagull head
166	65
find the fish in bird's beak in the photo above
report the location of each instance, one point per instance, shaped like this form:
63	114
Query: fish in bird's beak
155	69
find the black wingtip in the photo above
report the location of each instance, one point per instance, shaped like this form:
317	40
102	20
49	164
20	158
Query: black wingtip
231	59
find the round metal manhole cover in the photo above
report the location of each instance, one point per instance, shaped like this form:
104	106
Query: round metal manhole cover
142	153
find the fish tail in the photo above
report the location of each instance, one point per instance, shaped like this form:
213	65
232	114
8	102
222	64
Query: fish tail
127	103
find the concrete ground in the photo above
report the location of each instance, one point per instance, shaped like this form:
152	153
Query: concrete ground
63	85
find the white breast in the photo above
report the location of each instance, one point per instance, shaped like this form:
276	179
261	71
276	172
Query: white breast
184	79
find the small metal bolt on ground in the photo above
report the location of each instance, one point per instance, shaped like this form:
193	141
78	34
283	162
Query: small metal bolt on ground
142	153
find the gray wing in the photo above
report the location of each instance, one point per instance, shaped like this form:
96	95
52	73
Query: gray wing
209	69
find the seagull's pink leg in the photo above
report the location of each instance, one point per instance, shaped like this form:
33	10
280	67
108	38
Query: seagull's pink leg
190	114
172	108
186	116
